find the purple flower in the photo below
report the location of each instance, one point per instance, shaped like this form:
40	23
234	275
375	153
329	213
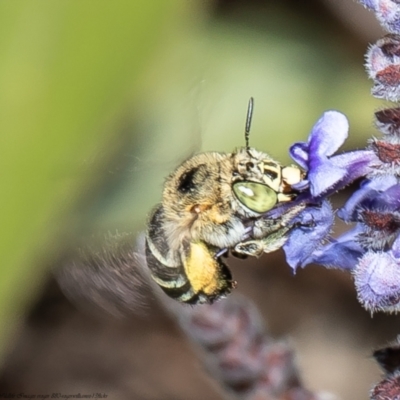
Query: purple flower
376	205
387	12
377	280
372	242
371	249
328	173
376	209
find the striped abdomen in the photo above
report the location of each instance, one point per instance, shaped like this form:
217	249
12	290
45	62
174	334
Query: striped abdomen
191	274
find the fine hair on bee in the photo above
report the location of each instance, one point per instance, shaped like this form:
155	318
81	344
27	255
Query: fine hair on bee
207	204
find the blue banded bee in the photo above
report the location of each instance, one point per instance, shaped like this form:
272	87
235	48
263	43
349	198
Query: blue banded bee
205	204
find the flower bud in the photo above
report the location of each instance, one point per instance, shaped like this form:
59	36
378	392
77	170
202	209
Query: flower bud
377	280
383	67
388	389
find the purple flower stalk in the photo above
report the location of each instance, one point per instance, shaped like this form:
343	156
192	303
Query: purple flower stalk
370	249
241	355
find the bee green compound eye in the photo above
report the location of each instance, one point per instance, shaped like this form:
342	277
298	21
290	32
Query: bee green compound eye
255	196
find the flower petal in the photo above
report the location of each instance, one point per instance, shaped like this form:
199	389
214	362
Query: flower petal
299	153
343	252
328	174
339	171
370	4
395	251
324	176
390	198
328	134
368	189
313	226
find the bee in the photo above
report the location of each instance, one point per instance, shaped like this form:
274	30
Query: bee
206	205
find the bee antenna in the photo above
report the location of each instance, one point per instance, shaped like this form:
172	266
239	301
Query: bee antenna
248	122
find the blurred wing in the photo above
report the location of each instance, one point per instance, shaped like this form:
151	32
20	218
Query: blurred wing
110	277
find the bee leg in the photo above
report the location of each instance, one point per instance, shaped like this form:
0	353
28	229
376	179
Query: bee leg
268	244
252	248
270	234
264	227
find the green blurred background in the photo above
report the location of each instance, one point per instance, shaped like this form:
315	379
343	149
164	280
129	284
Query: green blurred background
100	100
68	69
